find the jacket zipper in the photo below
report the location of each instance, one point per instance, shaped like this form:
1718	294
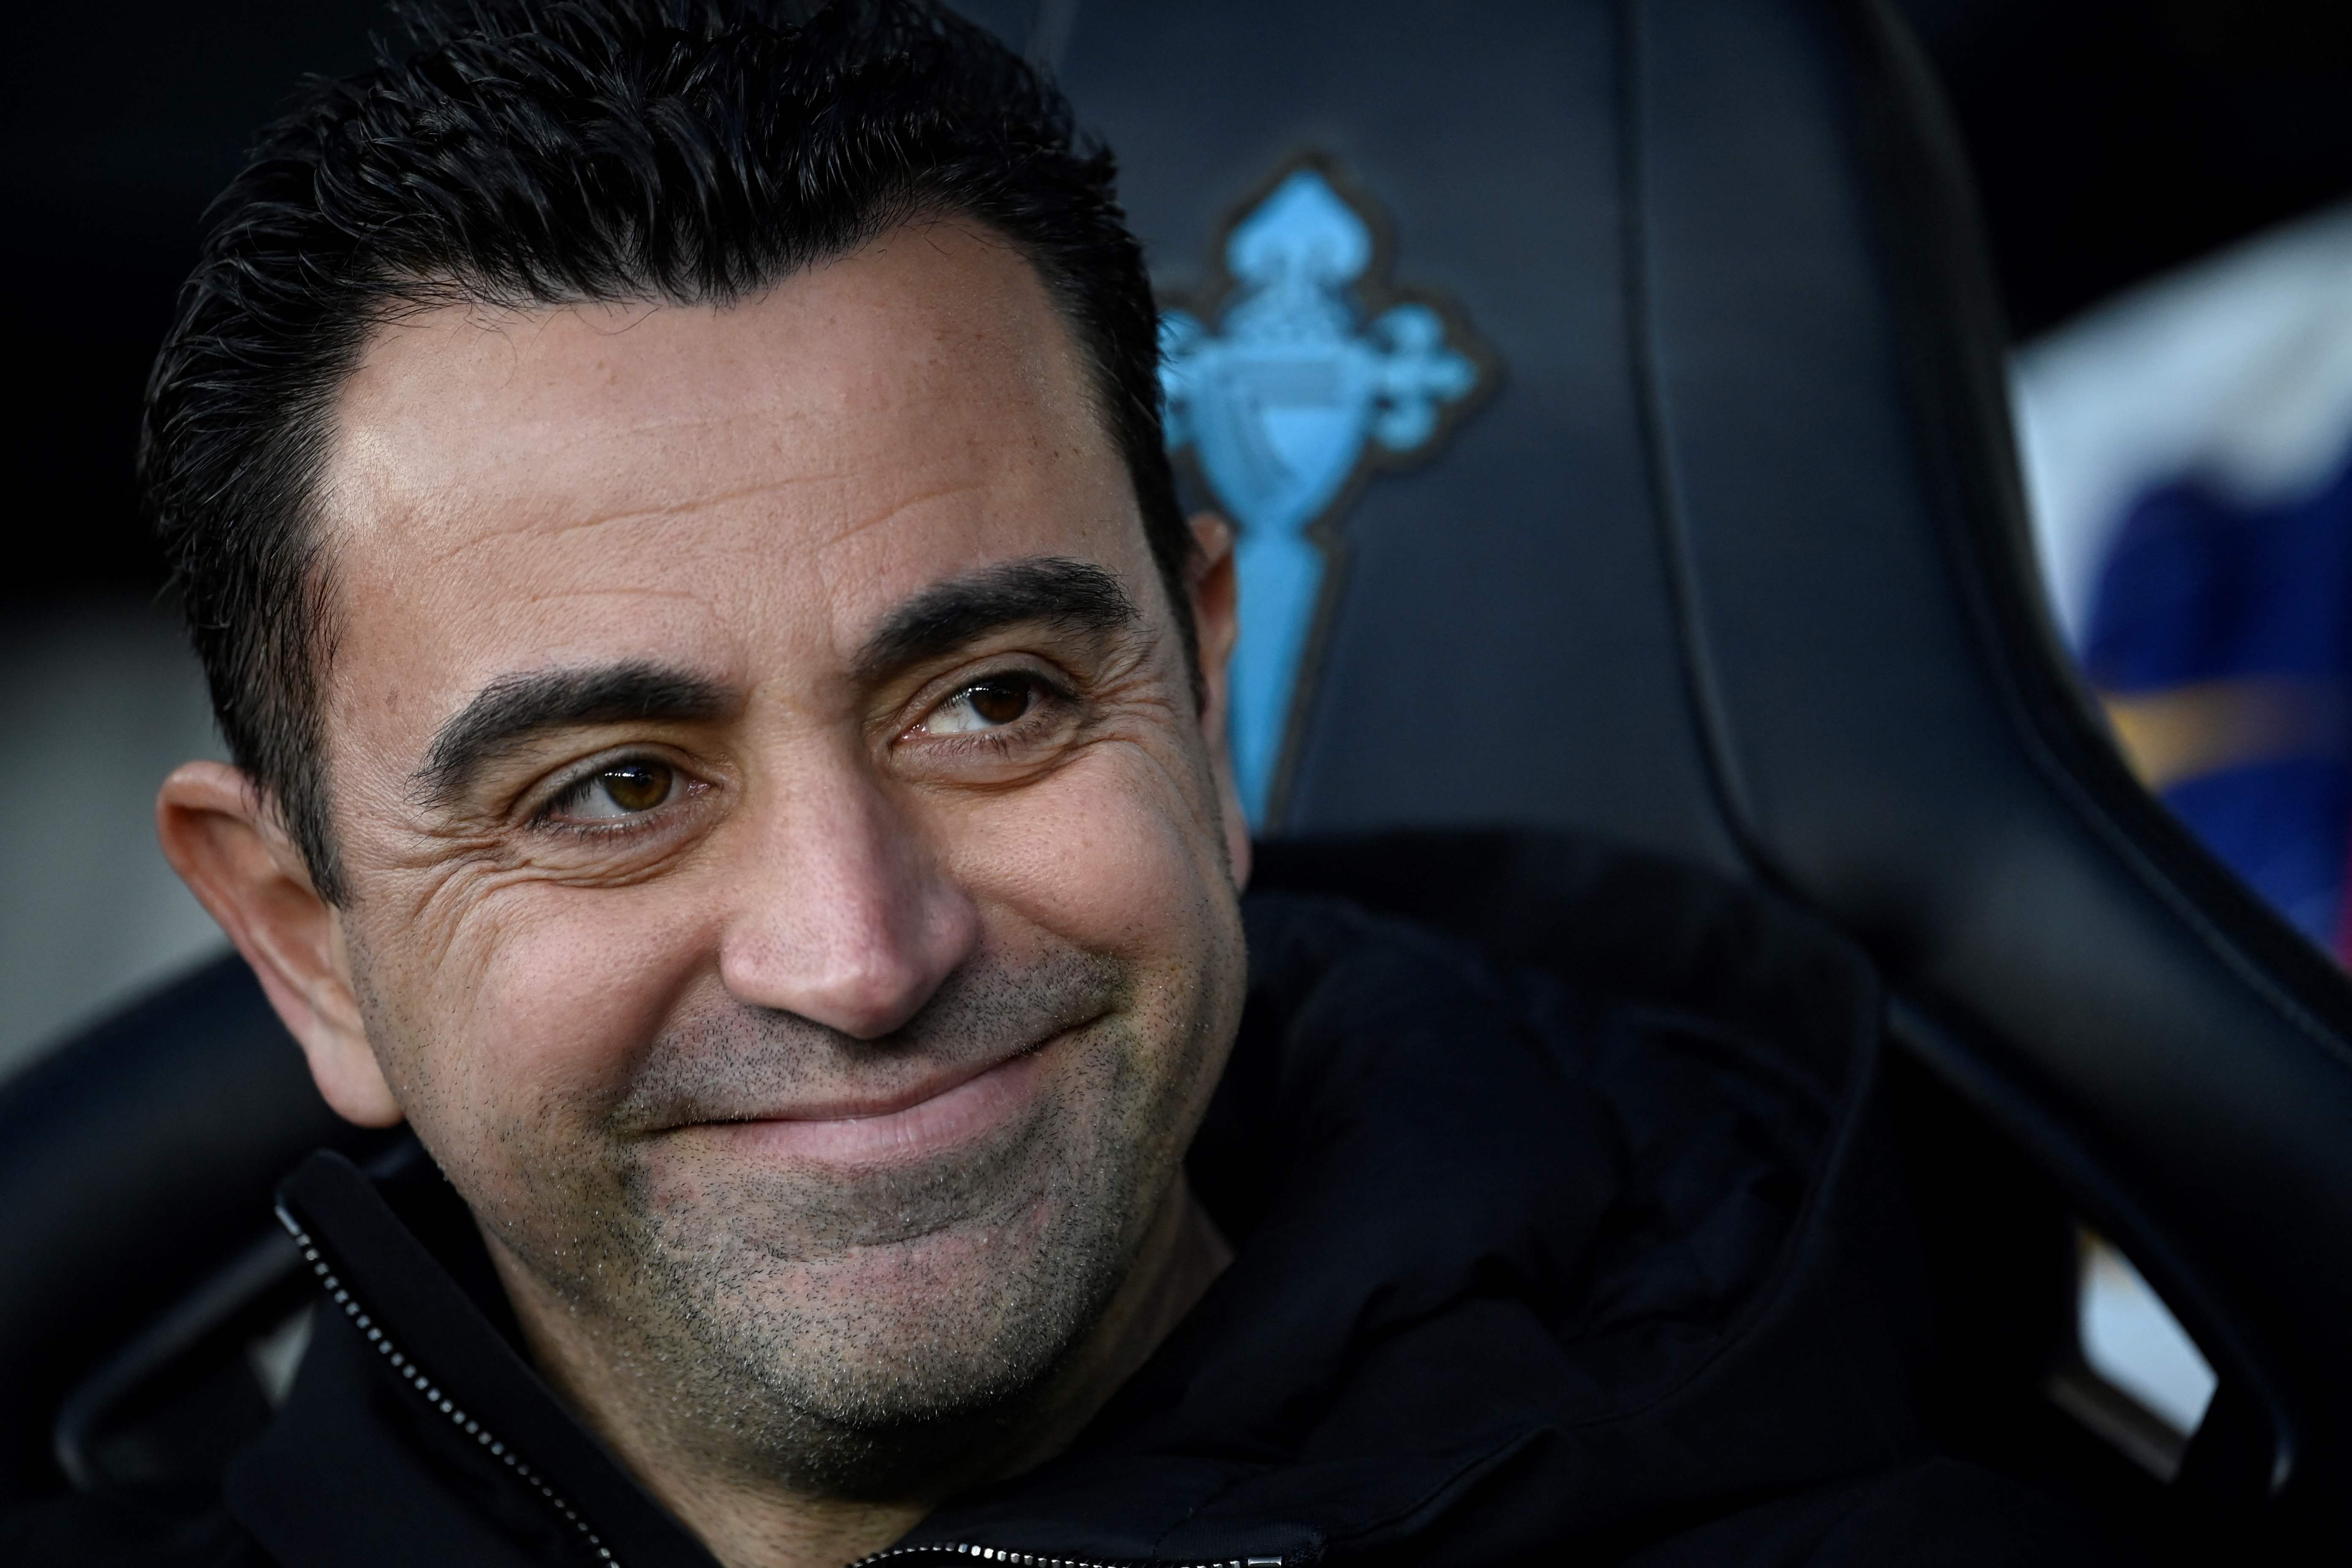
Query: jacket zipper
433	1395
437	1399
1031	1560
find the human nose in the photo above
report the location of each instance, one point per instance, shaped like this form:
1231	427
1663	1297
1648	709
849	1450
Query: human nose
848	919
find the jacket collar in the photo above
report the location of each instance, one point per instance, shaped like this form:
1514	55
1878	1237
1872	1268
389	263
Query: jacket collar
414	1379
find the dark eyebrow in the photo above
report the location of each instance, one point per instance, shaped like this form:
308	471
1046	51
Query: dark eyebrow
1050	589
514	708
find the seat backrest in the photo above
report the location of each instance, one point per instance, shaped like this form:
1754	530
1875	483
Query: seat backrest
1732	564
137	1168
1649	479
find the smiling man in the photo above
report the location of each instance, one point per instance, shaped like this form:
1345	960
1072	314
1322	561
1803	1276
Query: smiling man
788	885
729	729
750	795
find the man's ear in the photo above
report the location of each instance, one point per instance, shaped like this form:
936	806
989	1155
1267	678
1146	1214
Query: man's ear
224	839
1216	608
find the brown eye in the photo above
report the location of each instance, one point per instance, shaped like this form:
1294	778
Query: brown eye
987	704
999	702
625	789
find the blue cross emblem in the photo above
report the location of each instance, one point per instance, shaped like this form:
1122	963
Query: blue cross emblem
1283	406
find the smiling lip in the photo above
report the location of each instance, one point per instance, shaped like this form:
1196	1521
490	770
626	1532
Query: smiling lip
934	1116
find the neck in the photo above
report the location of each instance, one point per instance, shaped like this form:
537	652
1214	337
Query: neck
750	1523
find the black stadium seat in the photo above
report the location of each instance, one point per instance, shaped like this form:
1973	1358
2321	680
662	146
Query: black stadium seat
1714	552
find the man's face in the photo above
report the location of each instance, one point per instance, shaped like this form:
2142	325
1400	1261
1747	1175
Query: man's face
788	883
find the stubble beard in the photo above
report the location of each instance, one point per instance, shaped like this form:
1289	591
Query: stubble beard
862	1337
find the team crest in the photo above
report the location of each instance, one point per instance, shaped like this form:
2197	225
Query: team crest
1301	371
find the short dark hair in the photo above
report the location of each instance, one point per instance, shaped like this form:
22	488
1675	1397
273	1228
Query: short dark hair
545	152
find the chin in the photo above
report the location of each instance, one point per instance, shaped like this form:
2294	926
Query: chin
942	1325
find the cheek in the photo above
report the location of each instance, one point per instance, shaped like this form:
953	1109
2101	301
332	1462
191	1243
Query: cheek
526	1021
1110	856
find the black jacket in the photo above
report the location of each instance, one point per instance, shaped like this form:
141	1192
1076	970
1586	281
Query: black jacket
1595	1262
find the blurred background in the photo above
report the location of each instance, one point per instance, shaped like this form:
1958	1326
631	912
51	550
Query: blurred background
2165	183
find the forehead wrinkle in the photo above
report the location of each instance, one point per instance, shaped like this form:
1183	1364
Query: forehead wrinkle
612	591
454	541
392	451
386	455
544	530
389	477
892	511
853	618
